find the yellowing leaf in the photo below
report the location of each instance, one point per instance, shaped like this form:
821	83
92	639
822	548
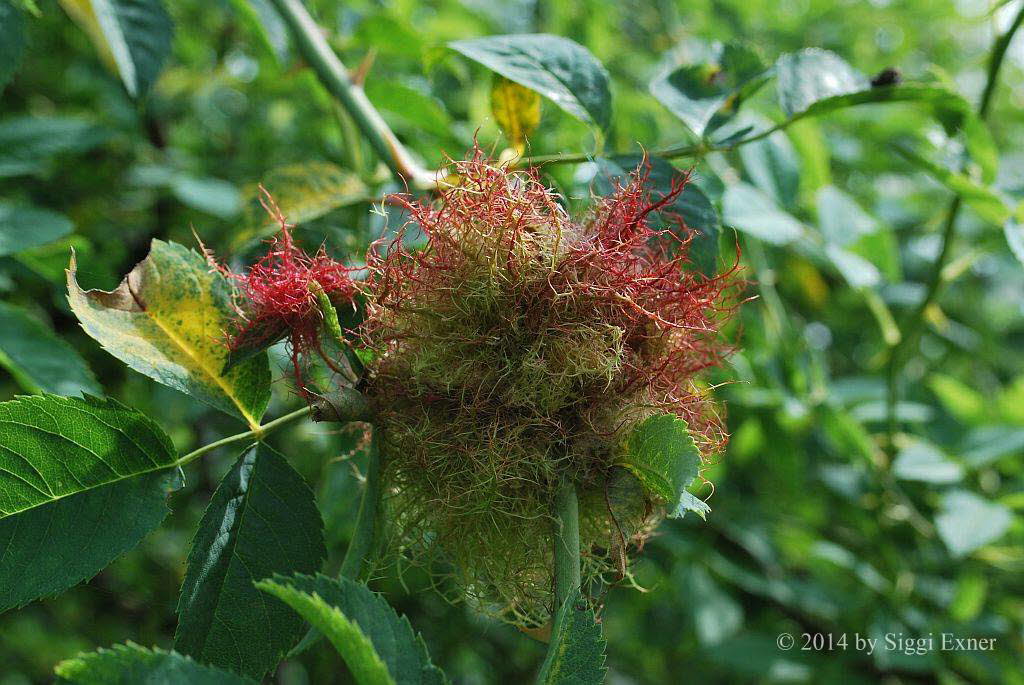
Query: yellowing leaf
167	320
82	13
304	192
516	109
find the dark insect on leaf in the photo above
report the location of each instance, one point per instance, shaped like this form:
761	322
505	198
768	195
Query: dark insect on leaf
890	76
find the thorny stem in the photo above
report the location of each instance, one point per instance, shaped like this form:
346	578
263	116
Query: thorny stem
332	74
914	324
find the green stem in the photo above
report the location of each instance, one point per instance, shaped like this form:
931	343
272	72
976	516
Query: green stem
358	557
914	325
698	149
567	544
251	435
361	549
317	52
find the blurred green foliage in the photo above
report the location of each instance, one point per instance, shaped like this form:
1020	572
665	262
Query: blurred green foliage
811	530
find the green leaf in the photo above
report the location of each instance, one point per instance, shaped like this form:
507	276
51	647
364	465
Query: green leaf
410	107
696	93
577	651
262	520
23	227
662	455
81	482
962	401
28	144
749	210
38	359
211	195
844	223
379	647
855	270
967	522
268	25
773	166
304	192
692	205
981	146
813	75
559	69
986	203
1014	232
12	41
168	320
131	664
688	502
136	34
922	461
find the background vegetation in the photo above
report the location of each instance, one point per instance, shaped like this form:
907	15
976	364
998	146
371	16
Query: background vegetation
818	523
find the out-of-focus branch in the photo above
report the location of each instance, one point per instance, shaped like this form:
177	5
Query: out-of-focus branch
314	48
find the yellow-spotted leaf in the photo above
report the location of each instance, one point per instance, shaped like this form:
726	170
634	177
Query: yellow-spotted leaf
303	191
167	319
516	109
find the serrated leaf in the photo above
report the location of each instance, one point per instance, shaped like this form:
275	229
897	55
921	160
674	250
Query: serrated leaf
262	520
696	93
38	359
747	209
576	654
23	227
379	646
967	522
130	664
132	35
12	41
28	144
689	502
561	70
662	455
692	205
516	109
81	482
167	320
303	191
